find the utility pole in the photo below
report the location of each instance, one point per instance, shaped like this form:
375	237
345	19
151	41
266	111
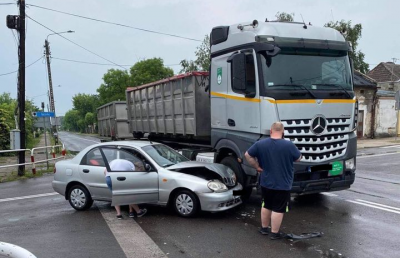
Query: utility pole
21	85
47	51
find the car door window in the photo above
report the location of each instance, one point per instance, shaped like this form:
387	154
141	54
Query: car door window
93	158
124	158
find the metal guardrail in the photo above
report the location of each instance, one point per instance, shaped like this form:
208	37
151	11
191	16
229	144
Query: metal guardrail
33	162
45	160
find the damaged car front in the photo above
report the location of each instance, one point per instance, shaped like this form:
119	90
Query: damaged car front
190	185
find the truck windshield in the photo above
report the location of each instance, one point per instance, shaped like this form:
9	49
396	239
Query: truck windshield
308	70
164	156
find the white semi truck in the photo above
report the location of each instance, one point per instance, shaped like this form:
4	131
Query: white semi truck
260	73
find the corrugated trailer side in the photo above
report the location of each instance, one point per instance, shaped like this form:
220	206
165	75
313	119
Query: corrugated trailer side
113	120
157	108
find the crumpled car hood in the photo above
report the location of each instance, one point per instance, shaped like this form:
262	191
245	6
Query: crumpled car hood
217	168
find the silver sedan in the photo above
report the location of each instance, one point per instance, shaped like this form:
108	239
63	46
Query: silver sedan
162	176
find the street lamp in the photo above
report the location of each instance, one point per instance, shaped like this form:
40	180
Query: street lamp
68	31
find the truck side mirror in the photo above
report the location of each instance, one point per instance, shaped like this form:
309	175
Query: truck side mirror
238	70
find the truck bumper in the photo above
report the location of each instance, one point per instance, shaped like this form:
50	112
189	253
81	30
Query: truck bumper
323	185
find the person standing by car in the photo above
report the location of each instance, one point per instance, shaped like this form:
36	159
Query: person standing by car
123	165
273	158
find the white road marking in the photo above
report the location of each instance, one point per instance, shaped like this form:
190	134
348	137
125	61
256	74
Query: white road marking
376	155
130	236
374	206
378	204
27	197
392	146
329	194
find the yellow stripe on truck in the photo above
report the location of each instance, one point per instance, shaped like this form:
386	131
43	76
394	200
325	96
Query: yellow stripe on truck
216	94
288	101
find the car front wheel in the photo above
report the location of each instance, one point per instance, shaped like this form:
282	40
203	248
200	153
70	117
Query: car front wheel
186	203
79	198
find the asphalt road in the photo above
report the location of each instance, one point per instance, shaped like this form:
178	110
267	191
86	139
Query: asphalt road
359	222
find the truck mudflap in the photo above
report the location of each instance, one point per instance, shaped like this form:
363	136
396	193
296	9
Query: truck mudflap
323	185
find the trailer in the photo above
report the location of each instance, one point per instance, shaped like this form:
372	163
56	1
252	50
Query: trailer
113	121
175	108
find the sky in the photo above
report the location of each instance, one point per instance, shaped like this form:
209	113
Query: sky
192	19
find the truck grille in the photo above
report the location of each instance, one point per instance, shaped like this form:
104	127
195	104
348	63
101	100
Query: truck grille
330	145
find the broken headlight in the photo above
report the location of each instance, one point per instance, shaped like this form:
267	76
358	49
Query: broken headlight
232	174
217	186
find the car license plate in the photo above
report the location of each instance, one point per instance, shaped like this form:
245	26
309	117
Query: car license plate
337	168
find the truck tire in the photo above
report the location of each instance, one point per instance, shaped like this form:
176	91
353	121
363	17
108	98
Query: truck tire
138	135
233	164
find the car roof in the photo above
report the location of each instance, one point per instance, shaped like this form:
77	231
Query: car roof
128	143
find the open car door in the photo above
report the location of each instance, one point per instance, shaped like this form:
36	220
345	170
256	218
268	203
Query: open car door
131	184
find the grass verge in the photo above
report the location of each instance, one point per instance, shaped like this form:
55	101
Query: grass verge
13	176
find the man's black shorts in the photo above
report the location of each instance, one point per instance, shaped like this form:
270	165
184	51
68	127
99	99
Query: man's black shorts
275	200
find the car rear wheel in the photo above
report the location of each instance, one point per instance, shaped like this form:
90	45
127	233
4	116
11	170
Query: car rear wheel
79	198
186	203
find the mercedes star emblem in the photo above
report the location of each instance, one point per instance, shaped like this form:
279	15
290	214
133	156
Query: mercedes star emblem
318	124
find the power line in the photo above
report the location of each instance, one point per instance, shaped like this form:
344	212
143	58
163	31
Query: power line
114	23
3	74
92	63
74	42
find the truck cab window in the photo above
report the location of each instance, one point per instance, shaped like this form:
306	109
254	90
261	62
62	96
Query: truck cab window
249	76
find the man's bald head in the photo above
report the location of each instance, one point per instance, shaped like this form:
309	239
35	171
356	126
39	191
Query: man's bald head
277	127
277	130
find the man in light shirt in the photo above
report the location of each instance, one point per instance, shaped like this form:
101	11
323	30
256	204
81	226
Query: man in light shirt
123	165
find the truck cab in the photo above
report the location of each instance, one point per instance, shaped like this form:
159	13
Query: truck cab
295	73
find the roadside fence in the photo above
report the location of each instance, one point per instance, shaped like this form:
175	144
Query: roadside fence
32	152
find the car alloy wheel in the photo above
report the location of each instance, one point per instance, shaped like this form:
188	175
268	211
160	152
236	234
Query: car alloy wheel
185	203
78	198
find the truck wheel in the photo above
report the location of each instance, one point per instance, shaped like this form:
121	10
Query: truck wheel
233	164
79	198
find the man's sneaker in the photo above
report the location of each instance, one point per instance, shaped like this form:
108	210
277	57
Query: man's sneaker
119	216
279	235
141	213
265	231
131	215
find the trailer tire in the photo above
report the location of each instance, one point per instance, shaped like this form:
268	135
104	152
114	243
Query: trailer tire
138	135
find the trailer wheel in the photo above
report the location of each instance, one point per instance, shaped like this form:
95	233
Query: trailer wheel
138	135
233	164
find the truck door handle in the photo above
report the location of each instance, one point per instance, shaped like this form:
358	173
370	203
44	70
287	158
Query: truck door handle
231	122
121	178
85	170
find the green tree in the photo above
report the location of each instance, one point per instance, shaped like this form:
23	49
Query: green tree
282	16
352	34
203	58
85	103
70	121
4	130
90	118
149	70
113	86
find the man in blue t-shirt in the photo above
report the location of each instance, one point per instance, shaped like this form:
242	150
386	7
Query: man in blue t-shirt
273	158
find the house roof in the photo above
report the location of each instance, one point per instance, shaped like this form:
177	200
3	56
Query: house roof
385	72
362	80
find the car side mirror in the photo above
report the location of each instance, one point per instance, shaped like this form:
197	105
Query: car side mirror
147	167
238	68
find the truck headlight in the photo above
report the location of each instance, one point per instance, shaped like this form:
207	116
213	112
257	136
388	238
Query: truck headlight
350	164
217	186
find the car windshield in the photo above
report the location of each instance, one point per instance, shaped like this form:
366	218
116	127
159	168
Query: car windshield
307	70
164	156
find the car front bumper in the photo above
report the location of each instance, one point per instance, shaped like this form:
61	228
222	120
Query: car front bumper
215	202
